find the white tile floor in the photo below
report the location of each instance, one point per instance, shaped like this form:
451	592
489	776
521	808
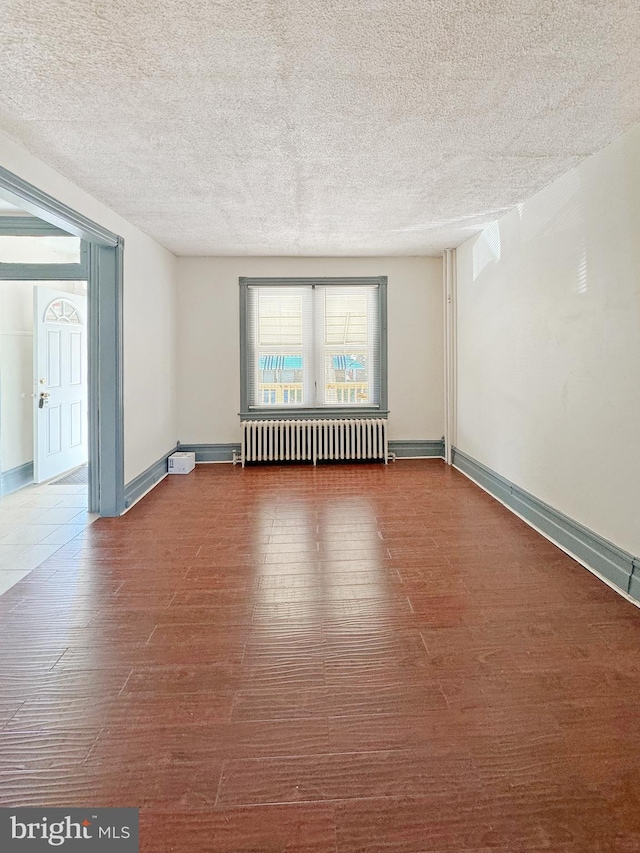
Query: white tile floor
34	523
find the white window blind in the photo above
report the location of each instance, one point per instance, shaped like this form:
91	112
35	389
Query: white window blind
313	346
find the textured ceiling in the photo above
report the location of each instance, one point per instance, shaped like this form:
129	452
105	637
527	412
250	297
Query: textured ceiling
316	127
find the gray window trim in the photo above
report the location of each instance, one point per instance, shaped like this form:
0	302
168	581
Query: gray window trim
299	413
28	226
43	272
50	272
103	270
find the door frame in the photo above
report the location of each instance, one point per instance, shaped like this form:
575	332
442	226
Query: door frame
102	266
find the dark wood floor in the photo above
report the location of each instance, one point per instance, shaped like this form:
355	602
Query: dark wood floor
347	658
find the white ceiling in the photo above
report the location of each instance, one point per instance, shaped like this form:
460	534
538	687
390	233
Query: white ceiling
316	127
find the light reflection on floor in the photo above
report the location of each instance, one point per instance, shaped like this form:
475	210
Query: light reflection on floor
324	598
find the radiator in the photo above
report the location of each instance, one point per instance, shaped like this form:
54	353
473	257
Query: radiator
314	440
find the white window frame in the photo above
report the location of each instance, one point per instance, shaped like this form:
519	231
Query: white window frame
344	410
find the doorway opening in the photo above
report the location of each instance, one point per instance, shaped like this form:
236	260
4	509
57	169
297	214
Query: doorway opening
44	448
61	250
100	264
43	353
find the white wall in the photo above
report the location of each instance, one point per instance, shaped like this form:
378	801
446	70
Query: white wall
549	344
209	349
150	399
16	367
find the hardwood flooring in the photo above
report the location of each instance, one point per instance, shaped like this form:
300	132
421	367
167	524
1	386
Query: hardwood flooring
331	660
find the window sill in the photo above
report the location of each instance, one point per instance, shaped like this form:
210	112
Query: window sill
325	413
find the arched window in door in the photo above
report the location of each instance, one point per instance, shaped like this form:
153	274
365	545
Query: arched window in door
62	311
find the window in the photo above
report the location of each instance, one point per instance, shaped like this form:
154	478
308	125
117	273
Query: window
62	249
62	311
313	344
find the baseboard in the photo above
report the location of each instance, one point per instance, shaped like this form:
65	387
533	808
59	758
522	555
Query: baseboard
616	566
634	581
212	452
402	449
16	478
417	449
144	482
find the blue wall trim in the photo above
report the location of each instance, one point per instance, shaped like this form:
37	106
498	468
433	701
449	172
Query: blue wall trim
147	479
616	565
634	580
404	449
212	452
16	478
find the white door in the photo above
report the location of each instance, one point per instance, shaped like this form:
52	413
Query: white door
60	382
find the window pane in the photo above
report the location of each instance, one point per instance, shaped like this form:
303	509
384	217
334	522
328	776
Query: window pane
280	379
40	250
280	354
346	378
345	318
280	374
347	351
280	320
62	311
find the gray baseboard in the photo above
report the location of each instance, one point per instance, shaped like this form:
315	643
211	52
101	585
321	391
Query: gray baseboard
212	452
16	478
614	564
417	448
147	479
634	581
402	449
